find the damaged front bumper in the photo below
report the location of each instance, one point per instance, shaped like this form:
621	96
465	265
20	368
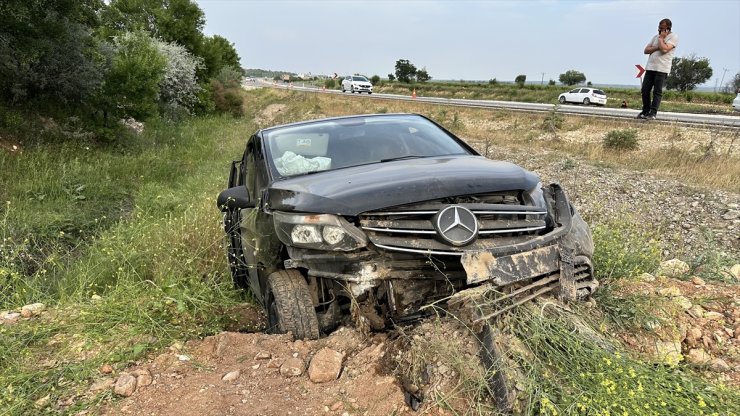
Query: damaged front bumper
394	284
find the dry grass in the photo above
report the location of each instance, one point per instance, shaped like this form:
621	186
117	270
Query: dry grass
700	156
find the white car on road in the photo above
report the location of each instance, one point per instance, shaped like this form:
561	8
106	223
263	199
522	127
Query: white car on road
356	83
586	96
736	102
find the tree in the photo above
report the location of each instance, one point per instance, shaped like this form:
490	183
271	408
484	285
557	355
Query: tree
688	72
178	89
405	70
520	80
217	53
46	49
572	77
551	82
391	77
493	81
375	79
733	86
422	75
131	86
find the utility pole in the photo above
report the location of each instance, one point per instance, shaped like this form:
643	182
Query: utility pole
543	78
723	78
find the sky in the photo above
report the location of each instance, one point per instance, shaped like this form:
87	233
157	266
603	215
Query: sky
474	40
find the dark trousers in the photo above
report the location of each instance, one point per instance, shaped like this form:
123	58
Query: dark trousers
653	81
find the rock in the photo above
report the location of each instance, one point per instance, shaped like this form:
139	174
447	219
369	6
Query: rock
714	316
231	376
674	268
106	369
719	365
669	352
292	367
735	271
33	309
730	215
42	402
125	385
96	298
143	378
683	301
104	384
11	317
696	311
263	355
698	356
698	281
646	277
670	292
325	366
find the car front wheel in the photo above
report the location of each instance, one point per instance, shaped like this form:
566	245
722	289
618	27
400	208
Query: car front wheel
289	306
586	101
562	100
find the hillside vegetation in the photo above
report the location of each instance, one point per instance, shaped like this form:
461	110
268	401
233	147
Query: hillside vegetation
123	245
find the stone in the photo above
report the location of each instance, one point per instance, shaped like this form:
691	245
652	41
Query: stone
646	277
698	356
263	355
33	309
674	268
125	385
683	301
106	369
714	316
42	402
143	378
732	214
698	281
669	352
735	271
231	376
669	292
292	367
325	366
104	384
11	317
719	365
696	311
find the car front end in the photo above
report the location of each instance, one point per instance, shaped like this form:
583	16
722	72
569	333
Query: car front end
389	252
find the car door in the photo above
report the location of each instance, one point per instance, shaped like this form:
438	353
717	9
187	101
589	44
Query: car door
259	243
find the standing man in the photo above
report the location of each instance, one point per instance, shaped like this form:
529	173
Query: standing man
661	49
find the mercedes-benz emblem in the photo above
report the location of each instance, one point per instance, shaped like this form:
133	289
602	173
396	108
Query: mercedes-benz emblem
456	225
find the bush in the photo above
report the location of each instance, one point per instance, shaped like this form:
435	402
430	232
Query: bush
621	140
330	84
226	100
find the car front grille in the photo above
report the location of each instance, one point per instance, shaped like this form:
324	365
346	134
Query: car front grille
502	220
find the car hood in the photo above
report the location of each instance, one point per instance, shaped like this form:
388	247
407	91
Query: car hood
354	190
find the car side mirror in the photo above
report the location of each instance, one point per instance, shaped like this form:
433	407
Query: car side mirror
234	198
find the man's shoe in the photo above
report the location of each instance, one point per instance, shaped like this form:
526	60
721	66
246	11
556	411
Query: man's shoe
641	116
650	117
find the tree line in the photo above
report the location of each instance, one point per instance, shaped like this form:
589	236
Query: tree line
116	59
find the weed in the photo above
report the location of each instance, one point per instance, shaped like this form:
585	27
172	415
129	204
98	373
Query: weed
621	140
624	249
553	122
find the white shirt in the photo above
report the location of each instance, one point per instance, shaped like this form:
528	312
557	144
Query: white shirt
659	61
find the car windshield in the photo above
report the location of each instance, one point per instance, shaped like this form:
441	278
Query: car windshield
353	141
363	79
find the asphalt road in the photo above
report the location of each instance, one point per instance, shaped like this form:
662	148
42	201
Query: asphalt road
688	118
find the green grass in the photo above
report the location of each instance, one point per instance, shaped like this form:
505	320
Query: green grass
123	242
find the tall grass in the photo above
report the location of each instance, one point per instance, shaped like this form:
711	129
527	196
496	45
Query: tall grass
123	242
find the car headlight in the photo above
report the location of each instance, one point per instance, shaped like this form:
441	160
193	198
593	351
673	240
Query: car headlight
318	231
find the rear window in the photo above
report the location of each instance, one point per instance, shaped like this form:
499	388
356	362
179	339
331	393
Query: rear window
599	92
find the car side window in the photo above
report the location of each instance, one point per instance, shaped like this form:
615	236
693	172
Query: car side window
575	91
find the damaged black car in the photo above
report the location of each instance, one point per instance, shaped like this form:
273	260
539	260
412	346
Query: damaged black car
376	217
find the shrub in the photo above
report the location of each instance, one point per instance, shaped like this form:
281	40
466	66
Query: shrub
330	84
553	121
621	139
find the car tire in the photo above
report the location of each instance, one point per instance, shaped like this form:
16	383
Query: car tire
343	90
562	100
234	254
369	93
289	306
586	101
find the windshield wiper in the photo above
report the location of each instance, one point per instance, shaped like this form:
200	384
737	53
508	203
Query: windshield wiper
401	158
